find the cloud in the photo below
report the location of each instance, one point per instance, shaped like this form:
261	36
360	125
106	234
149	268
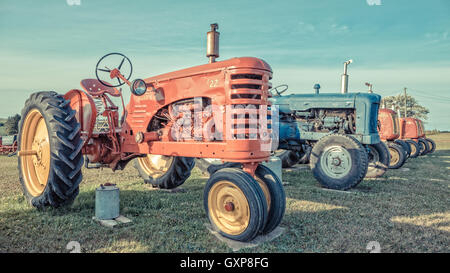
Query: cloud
339	29
436	37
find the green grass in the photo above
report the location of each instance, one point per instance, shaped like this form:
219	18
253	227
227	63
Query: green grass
408	210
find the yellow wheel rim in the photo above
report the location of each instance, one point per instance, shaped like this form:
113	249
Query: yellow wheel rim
413	149
265	190
35	168
228	208
395	157
155	166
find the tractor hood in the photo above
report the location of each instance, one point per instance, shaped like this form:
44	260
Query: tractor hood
242	62
303	102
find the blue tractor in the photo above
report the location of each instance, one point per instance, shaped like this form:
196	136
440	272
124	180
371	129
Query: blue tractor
337	132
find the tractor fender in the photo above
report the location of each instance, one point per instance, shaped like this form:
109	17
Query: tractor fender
86	112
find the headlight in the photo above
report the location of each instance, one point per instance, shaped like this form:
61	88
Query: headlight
138	87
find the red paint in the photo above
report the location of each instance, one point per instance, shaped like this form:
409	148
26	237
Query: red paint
224	84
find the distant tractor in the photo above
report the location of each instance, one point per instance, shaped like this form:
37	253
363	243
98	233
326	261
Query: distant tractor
8	144
338	130
413	131
389	131
216	110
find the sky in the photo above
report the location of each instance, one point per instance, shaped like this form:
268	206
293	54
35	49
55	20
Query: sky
54	44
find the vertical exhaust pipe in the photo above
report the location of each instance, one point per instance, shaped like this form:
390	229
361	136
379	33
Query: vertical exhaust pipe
370	87
212	43
344	78
317	87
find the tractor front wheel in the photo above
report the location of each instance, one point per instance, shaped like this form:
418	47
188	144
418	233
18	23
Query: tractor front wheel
379	159
405	146
305	154
424	149
397	154
431	144
49	145
235	204
415	148
274	194
338	162
164	172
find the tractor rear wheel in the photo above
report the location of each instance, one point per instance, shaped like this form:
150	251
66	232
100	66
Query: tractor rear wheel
49	145
288	158
431	144
275	196
415	148
339	162
379	159
397	154
235	204
405	146
164	172
424	149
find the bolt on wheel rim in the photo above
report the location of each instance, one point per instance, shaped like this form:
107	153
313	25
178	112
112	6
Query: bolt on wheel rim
155	165
336	161
35	168
395	157
228	208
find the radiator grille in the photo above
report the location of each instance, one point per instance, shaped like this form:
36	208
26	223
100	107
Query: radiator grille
249	92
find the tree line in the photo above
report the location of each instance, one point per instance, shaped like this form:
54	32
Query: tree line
11	125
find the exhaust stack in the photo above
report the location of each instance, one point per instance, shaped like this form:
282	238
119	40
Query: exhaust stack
344	78
212	43
370	87
317	87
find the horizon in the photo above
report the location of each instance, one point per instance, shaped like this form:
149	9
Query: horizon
397	44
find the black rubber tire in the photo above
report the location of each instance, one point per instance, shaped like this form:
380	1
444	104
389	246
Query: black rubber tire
305	154
359	162
405	146
431	145
424	146
66	158
255	198
379	159
178	172
277	197
288	158
395	148
414	147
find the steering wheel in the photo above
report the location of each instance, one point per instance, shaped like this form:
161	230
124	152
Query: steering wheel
113	58
279	92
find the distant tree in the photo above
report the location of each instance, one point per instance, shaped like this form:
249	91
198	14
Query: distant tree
12	125
413	108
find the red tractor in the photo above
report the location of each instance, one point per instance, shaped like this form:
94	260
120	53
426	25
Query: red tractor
389	127
216	110
413	131
8	145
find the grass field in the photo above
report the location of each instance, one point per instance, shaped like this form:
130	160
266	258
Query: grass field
408	210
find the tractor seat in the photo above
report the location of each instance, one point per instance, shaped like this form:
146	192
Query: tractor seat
95	88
